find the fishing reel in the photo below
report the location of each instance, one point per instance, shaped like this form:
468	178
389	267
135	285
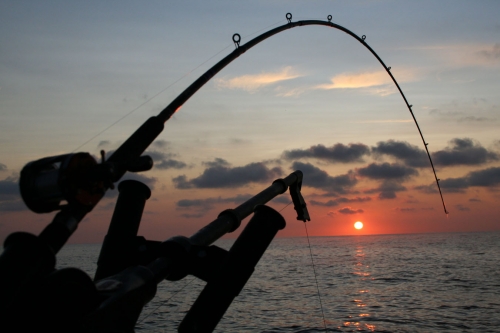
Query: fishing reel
45	183
75	178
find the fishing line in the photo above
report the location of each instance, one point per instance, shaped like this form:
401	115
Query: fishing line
170	85
315	278
149	99
285	207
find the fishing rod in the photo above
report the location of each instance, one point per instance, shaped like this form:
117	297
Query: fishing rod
177	103
73	184
85	181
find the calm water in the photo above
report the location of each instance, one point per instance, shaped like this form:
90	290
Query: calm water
388	283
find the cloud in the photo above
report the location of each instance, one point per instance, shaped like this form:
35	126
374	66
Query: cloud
474	111
252	83
410	155
411	210
336	202
160	143
485	178
429	189
317	178
3	167
474	119
282	199
13	206
149	181
208	203
164	161
9	188
491	54
202	206
170	164
488	178
462	208
387	190
290	92
353	152
220	175
463	152
359	80
217	162
454	184
10	197
386	171
350	211
103	143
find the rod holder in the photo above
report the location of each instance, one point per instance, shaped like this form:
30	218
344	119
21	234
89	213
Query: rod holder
241	260
118	247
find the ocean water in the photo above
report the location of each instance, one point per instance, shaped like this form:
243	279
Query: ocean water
446	282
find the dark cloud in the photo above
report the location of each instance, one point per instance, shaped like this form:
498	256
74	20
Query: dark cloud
9	188
317	178
406	210
412	210
462	208
492	54
170	164
193	216
156	155
339	152
164	161
485	178
202	206
463	152
185	203
429	189
3	167
282	199
454	184
387	190
489	177
386	171
13	206
220	175
10	197
149	181
103	143
474	119
349	210
218	162
410	155
336	202
160	144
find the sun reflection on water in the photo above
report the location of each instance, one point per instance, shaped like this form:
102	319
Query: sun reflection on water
362	271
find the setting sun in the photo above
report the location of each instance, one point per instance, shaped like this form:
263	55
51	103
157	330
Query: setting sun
358	225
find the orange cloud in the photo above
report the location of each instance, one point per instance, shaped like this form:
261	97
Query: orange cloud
379	82
359	80
252	83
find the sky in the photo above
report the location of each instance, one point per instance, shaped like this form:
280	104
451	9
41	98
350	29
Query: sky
82	76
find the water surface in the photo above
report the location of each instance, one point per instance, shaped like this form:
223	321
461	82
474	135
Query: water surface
382	283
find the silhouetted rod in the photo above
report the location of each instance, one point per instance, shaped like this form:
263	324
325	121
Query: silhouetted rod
230	220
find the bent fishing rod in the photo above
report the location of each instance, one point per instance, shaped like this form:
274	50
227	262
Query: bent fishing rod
82	182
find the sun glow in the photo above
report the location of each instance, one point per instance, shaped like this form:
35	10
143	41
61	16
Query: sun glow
358	225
